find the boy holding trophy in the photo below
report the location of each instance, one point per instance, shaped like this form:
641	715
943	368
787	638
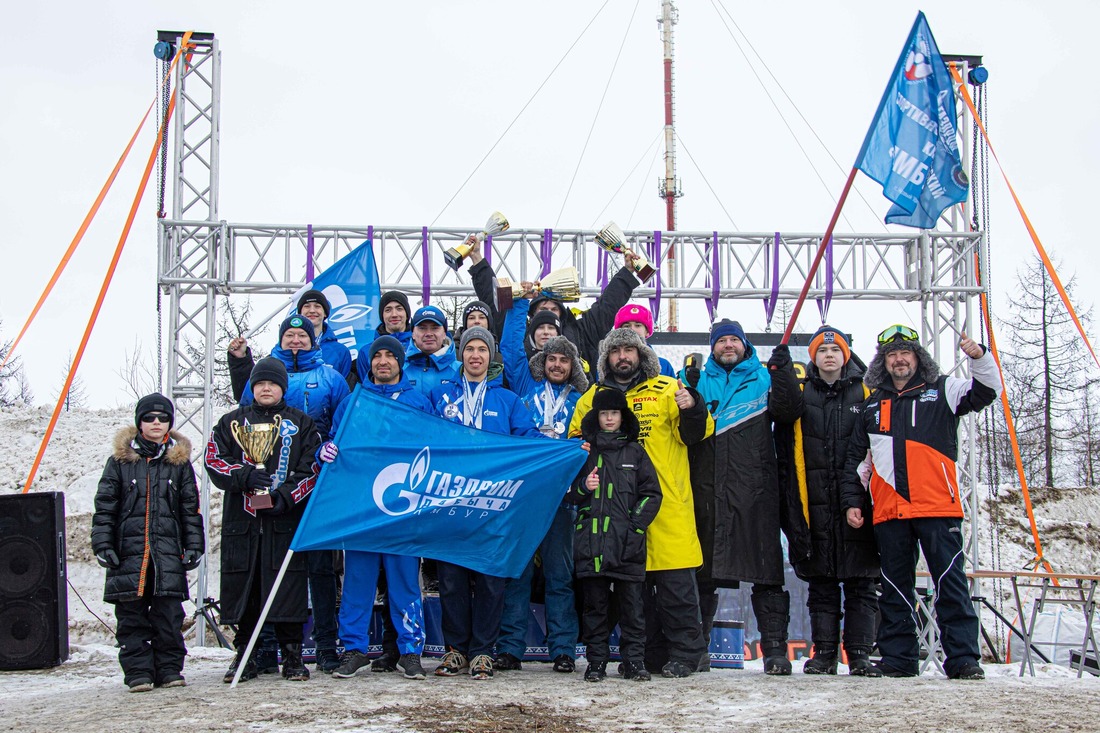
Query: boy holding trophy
261	456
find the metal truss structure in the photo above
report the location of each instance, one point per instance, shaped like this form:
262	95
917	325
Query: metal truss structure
202	256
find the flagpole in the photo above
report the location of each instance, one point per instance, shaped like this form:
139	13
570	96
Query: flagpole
817	258
263	617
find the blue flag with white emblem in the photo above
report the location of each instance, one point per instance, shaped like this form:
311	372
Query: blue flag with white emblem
912	146
408	482
352	288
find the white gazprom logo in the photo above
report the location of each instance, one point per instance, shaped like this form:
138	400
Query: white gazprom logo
403	488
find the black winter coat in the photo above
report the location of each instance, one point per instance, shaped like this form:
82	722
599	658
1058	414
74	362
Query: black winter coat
740	504
148	536
255	543
610	535
813	453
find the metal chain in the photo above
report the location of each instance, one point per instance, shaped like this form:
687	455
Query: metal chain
162	180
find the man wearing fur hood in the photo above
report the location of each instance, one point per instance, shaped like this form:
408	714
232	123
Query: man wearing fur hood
147	532
549	385
672	417
904	450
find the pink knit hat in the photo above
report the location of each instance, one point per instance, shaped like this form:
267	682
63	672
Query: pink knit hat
638	313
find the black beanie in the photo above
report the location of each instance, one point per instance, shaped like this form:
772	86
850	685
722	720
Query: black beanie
154	403
269	369
541	317
300	322
395	296
480	307
314	296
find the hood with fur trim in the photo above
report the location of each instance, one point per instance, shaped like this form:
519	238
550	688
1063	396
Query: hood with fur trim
561	345
179	447
650	364
878	378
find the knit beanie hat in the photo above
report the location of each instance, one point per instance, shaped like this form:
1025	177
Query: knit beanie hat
390	344
270	369
829	335
609	399
314	296
154	403
541	317
726	327
480	307
477	332
395	296
301	322
637	313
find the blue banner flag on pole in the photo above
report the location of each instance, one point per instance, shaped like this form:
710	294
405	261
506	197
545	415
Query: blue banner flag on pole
912	147
408	482
352	288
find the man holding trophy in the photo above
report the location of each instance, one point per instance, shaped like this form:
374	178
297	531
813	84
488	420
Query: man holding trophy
261	456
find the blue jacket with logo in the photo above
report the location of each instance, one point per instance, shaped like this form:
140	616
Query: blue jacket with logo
501	412
425	372
336	355
402	392
313	387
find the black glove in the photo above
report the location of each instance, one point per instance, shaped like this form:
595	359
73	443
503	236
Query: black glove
780	358
191	559
278	506
258	480
107	559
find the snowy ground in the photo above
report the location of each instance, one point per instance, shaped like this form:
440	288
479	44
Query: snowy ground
86	693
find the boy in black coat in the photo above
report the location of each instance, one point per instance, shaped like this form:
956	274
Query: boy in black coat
619	495
147	532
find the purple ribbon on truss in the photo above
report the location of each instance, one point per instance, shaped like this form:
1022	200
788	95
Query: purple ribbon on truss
653	253
309	253
487	249
823	303
603	262
770	302
546	251
426	277
714	277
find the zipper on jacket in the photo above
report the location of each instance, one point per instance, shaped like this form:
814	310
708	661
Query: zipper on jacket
914	413
950	488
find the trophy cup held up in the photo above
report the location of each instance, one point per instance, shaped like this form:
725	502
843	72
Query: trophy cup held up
497	224
611	238
563	284
257	442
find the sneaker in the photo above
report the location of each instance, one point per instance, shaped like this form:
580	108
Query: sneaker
885	670
141	685
596	672
481	667
249	673
352	662
632	671
969	671
778	666
410	666
820	664
675	669
385	663
452	665
506	662
173	680
327	660
564	663
267	661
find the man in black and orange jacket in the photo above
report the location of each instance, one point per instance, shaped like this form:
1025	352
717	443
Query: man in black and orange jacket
904	451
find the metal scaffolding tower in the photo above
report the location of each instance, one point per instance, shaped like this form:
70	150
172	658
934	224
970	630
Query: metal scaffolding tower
201	256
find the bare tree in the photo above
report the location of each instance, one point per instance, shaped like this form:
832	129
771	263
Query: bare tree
139	371
15	391
1045	370
232	321
77	395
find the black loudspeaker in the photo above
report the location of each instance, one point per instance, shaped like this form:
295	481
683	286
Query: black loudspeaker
34	601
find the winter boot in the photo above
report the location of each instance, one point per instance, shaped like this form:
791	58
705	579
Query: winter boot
293	667
825	629
708	606
267	661
823	660
859	663
249	672
772	607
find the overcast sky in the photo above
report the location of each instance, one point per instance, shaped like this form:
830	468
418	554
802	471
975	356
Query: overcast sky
374	113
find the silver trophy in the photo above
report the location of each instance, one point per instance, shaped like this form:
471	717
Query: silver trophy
612	239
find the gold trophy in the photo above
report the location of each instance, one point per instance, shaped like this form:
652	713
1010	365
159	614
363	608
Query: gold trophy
497	224
257	441
563	284
611	238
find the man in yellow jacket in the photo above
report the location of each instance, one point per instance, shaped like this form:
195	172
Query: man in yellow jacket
672	417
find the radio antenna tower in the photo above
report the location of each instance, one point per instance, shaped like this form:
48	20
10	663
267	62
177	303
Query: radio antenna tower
668	187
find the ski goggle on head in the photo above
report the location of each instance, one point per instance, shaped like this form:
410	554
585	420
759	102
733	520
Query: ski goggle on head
898	332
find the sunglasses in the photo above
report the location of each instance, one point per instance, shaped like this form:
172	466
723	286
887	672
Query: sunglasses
898	332
155	417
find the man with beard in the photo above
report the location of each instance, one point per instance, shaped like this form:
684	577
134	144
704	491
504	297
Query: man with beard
904	449
671	417
549	385
739	504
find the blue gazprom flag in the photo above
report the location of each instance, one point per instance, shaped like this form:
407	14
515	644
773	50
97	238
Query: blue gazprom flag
351	286
411	483
912	147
